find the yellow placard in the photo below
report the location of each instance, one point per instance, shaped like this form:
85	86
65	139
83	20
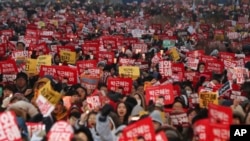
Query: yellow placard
52	96
45	88
68	56
30	66
44	60
174	54
129	71
208	97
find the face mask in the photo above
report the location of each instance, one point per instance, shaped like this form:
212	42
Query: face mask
138	102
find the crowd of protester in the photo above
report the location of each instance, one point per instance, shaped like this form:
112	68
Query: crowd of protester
191	29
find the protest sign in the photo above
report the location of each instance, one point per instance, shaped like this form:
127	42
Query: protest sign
207	97
30	66
8	67
85	64
68	56
192	63
43	60
165	68
139	48
124	83
219	132
129	71
93	102
201	130
89	82
174	54
34	127
220	114
162	93
9	130
61	131
179	119
142	128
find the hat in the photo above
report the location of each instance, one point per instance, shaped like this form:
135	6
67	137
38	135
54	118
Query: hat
22	75
156	116
136	110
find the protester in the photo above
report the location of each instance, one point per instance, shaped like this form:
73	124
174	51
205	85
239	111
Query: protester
124	70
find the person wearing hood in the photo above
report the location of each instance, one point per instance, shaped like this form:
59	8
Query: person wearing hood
103	121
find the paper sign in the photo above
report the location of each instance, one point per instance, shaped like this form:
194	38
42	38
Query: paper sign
34	127
165	68
124	83
142	128
8	67
129	71
225	88
61	131
43	60
44	105
85	64
8	127
89	82
68	56
219	132
220	114
179	119
162	93
94	102
168	43
208	97
174	54
201	128
192	63
30	66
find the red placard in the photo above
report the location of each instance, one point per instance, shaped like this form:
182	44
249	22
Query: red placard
93	72
31	40
219	132
8	67
125	83
128	41
141	128
126	62
85	64
195	54
165	68
142	65
7	32
162	91
61	131
46	33
109	42
206	58
66	48
179	119
32	33
139	48
40	47
9	129
94	102
92	47
60	72
226	56
201	129
105	55
192	63
220	114
217	67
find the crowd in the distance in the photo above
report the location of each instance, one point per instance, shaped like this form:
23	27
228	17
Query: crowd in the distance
192	56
